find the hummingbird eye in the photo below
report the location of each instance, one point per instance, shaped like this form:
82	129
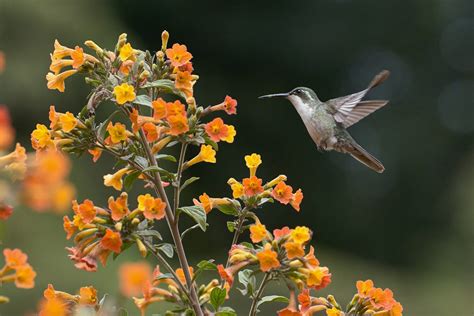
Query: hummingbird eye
297	91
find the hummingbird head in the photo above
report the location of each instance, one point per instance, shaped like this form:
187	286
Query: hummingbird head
297	95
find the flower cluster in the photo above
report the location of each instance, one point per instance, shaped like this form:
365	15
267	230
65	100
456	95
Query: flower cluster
16	269
59	303
100	231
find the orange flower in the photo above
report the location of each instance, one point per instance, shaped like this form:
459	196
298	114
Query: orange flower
157	211
311	258
294	249
53	306
25	277
111	241
56	81
119	207
5	211
6	129
268	259
364	288
133	277
159	109
77	56
86	210
96	152
230	105
184	81
178	124
216	129
180	274
318	278
283	232
296	200
87	295
205	202
69	227
282	193
2	61
382	299
152	132
175	108
252	186
333	312
117	133
15	258
258	232
126	66
178	55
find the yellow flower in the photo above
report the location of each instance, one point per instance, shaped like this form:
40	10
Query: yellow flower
333	312
207	154
237	188
294	249
301	234
41	137
117	132
127	52
56	81
230	134
253	161
124	93
258	232
115	180
68	121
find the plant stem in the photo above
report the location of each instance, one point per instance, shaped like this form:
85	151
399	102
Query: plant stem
258	295
179	172
159	189
237	231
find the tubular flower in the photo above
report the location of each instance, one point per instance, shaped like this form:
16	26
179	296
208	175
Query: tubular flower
69	227
153	208
227	274
281	233
119	206
178	55
68	122
127	52
208	203
252	162
229	105
252	186
117	133
78	57
301	234
59	303
152	132
6	129
217	130
14	258
96	152
231	132
206	154
296	200
237	188
133	277
333	312
124	93
23	274
159	109
268	259
282	193
377	300
86	210
25	277
41	137
178	124
58	64
258	232
364	288
318	278
111	241
180	274
175	108
15	162
56	81
115	180
294	250
184	81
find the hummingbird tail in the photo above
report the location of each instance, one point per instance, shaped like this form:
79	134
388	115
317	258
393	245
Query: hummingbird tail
367	159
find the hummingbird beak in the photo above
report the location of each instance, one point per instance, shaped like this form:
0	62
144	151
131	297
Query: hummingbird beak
284	95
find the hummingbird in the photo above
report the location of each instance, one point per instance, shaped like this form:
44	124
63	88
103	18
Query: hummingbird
327	122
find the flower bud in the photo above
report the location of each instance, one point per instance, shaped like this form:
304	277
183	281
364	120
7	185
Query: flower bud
141	248
94	47
164	40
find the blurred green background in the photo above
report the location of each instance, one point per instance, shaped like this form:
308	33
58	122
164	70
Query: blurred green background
409	229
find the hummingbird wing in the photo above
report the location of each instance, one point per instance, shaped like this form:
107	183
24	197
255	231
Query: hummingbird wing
342	107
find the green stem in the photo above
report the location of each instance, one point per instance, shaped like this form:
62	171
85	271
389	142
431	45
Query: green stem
258	295
179	173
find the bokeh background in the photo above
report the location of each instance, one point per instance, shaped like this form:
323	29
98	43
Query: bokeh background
409	229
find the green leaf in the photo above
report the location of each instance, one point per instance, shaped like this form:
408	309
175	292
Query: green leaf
166	157
151	168
207	265
143	99
247	244
167	249
272	298
102	129
166	85
226	311
188	182
150	233
164	276
265	200
130	179
209	141
248	280
228	209
218	297
231	226
197	213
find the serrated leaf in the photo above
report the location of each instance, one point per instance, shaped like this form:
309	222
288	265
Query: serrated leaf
228	209
231	226
143	99
272	298
197	213
217	297
150	233
166	157
129	179
188	182
167	249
